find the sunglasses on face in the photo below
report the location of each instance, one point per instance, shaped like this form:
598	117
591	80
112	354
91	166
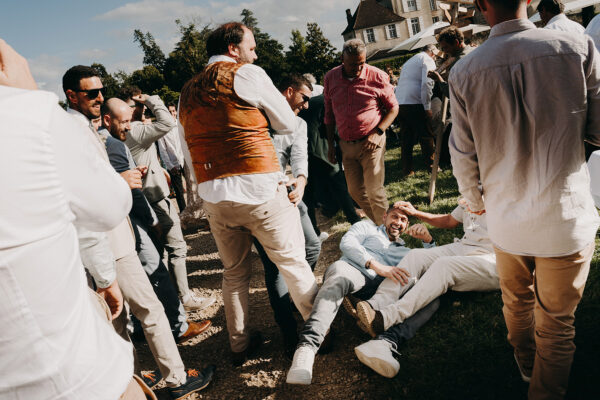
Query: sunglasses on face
93	93
305	98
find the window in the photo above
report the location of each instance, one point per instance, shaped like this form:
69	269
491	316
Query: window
412	5
392	34
370	35
416	27
435	19
433	4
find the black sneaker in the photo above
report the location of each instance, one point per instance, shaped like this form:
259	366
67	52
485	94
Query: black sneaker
152	378
196	381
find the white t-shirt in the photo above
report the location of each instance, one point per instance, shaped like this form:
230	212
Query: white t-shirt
53	343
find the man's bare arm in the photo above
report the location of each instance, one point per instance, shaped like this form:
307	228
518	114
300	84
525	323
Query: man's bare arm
444	221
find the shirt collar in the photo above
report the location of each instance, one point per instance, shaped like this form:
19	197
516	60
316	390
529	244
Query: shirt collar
79	116
556	18
513	25
219	58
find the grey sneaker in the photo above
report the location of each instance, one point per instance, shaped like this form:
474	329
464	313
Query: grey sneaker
193	302
377	355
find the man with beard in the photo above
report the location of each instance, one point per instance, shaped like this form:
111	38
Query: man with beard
225	112
370	254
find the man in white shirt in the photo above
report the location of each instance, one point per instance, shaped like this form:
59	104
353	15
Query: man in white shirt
171	154
523	143
223	112
413	93
553	17
49	321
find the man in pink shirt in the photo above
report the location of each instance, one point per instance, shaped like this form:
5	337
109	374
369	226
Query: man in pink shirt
360	101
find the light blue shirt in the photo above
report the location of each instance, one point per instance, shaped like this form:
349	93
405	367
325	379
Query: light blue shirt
365	241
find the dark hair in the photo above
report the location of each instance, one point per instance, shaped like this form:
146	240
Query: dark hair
450	34
128	92
391	207
507	5
172	105
294	81
219	40
554	7
72	78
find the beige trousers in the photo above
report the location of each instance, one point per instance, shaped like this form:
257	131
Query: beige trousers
138	293
276	225
365	174
540	296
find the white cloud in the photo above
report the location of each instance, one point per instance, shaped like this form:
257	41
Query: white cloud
150	11
48	70
94	55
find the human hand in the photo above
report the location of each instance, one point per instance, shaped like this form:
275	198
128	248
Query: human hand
396	274
331	154
143	170
420	231
299	183
14	69
373	141
406	207
113	297
140	99
435	76
133	177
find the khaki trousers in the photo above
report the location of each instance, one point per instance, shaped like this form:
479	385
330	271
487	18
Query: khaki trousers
138	293
365	173
276	225
540	296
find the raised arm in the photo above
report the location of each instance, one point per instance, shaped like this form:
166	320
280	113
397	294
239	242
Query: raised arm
444	221
147	135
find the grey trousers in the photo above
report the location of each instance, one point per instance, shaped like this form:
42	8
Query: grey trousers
138	293
172	241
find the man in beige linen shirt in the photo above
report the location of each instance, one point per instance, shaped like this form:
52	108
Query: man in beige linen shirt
523	139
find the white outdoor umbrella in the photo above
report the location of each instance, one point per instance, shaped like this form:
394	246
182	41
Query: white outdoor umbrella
427	36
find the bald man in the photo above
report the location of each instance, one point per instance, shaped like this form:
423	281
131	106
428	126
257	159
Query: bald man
116	117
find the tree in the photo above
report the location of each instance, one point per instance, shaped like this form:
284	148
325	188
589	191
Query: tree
269	51
320	53
295	57
149	79
110	83
153	55
189	56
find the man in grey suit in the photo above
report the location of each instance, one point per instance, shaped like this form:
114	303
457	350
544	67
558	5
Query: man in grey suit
141	140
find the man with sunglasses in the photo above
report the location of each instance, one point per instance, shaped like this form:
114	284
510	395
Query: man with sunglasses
522	140
292	150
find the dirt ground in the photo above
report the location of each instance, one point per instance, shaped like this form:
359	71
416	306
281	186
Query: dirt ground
337	375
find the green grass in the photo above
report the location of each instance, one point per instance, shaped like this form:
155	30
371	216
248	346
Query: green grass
462	352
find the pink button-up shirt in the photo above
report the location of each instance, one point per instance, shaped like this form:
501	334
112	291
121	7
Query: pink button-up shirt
357	106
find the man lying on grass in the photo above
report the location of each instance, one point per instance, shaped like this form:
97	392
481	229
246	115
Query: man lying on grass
468	264
370	255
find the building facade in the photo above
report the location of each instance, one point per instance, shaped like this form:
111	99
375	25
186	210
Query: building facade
383	24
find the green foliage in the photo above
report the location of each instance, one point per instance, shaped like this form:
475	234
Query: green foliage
168	96
149	79
395	63
296	54
320	53
153	55
110	82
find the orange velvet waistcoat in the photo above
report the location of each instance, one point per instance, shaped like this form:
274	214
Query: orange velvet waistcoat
226	135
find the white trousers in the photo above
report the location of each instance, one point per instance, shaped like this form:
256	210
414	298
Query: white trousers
437	270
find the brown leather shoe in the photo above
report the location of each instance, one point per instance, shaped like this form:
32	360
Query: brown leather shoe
194	329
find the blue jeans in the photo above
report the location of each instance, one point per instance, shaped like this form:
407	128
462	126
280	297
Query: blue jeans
276	287
340	280
161	281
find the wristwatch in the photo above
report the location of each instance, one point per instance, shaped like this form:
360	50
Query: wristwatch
379	130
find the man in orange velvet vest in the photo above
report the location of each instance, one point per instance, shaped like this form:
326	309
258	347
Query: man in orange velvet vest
225	112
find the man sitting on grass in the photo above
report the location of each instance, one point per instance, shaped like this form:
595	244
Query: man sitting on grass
468	264
370	254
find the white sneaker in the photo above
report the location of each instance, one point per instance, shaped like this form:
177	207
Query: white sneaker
192	302
377	355
323	236
300	372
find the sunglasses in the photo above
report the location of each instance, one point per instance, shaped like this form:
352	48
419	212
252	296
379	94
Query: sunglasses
93	93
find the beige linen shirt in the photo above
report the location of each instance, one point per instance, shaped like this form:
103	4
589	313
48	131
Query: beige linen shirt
522	104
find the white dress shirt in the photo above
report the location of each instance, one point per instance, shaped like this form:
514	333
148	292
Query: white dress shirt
414	87
561	22
169	147
53	343
253	85
523	138
293	149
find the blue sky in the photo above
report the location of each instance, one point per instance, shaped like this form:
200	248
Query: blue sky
57	34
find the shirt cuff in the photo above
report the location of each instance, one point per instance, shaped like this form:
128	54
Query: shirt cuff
429	245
